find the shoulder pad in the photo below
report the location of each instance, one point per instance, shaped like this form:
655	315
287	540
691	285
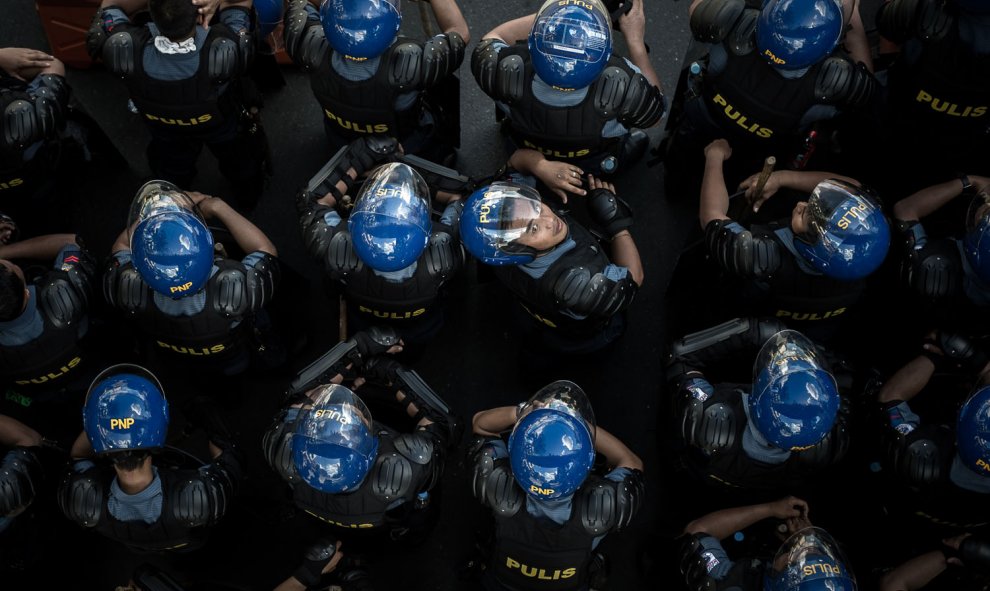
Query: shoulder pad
834	446
935	271
897	20
693	564
610	90
313	48
232	298
442	55
120	52
643	104
934	21
223	61
315	231
341	257
415	448
391	476
62	302
608	505
736	250
81	498
917	459
51	99
20	474
199	499
510	79
844	84
577	290
294	25
125	289
493	484
405	66
484	65
277	447
742	38
712	20
21	126
262	279
715	430
443	256
95	36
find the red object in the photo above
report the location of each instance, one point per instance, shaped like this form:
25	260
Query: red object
66	23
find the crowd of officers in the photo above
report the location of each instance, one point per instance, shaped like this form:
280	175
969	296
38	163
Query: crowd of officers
829	317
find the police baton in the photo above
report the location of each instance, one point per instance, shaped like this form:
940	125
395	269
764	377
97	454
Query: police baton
761	182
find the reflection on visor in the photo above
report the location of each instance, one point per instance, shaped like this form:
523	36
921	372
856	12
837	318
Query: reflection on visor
575	39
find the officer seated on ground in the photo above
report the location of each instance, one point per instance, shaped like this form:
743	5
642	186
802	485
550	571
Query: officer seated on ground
390	258
34	98
809	270
44	316
569	103
776	433
369	481
809	559
550	511
185	81
954	288
143	504
572	292
194	308
938	452
370	80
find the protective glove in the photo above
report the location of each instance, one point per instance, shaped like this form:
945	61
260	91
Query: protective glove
318	556
608	211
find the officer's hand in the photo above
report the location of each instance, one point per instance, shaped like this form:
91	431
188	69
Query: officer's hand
376	341
321	559
206	9
981	184
954	543
789	507
367	152
8	230
560	177
769	189
633	23
606	210
20	61
718	149
956	351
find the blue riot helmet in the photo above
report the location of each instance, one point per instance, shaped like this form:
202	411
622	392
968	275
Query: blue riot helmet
847	235
361	29
973	432
809	560
797	34
571	43
794	400
334	444
390	223
976	242
498	220
552	446
125	409
269	15
171	247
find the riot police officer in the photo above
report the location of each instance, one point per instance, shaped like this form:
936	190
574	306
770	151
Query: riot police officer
775	433
389	258
572	294
367	480
185	81
809	559
34	99
44	318
128	498
370	80
808	271
550	511
571	106
769	75
939	91
192	306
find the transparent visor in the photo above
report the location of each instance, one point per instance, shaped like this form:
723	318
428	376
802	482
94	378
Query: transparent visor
785	353
509	213
564	396
395	194
978	219
809	555
158	197
337	417
836	205
567	34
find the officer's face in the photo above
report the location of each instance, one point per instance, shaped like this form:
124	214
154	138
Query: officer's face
19	273
542	232
800	224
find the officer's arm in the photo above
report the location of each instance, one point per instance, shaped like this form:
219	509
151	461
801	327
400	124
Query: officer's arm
37	248
492	422
915	573
450	19
625	254
714	195
128	6
930	199
249	237
856	44
722	524
633	26
512	31
806	180
14	433
616	452
81	447
908	381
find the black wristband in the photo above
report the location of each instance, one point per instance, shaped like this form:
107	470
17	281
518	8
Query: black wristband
967	187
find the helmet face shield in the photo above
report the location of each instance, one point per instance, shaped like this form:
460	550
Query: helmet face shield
973	432
571	43
499	219
810	560
125	409
390	223
976	243
794	400
334	444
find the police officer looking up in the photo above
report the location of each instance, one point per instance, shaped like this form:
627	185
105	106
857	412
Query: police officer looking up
550	511
185	80
573	295
34	99
145	506
808	560
571	105
370	80
192	307
808	270
44	318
